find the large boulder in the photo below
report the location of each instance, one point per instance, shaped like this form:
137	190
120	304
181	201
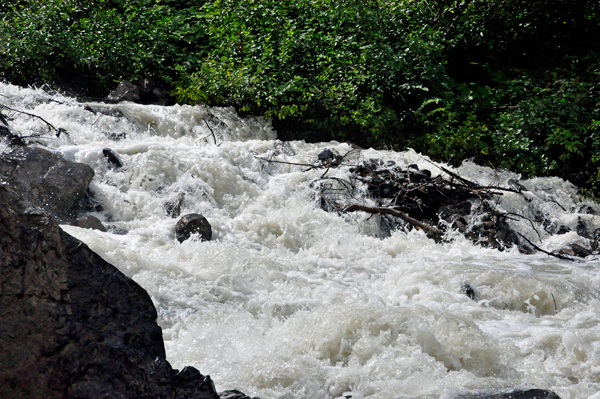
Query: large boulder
45	180
72	325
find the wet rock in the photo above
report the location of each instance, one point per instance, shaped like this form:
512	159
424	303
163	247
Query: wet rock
89	203
190	384
117	230
583	229
112	158
72	325
125	91
517	394
173	208
325	155
116	136
88	222
115	113
12	139
468	291
580	251
151	92
596	241
193	223
46	180
234	394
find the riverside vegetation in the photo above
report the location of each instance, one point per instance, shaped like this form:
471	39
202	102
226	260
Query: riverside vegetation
513	84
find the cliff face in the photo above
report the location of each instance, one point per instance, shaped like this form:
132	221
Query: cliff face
72	325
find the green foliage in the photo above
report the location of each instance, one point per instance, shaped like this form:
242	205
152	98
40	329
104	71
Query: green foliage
46	40
346	69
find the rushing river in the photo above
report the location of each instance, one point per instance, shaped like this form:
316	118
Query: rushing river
290	301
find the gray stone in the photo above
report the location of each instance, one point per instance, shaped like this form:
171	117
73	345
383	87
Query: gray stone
193	223
88	222
45	180
234	394
125	91
112	158
72	325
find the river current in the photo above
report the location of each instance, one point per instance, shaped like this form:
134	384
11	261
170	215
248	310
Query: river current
290	301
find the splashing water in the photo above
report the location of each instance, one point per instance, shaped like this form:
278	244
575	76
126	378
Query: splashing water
289	301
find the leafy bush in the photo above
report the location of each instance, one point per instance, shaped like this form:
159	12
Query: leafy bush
48	40
346	69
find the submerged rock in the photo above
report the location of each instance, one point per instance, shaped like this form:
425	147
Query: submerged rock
112	158
518	394
193	223
234	394
45	180
72	325
88	222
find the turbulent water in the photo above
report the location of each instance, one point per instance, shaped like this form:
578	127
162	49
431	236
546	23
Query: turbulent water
290	301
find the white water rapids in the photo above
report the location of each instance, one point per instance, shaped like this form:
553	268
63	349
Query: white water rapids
290	301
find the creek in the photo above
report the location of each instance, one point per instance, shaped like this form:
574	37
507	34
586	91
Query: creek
290	301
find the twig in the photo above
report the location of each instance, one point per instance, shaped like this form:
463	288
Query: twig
211	131
390	211
546	252
555	307
58	131
523	217
289	163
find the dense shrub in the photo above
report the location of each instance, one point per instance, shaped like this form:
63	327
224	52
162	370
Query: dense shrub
45	41
345	69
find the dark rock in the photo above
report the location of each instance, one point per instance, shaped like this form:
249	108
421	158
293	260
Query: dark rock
580	251
115	113
187	386
325	155
88	222
193	223
112	157
596	241
468	291
563	230
173	208
89	203
583	229
518	394
151	92
12	139
125	91
234	394
116	136
72	325
45	180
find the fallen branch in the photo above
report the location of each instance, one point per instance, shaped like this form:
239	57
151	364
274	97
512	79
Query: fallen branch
58	131
546	252
390	211
211	131
289	163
